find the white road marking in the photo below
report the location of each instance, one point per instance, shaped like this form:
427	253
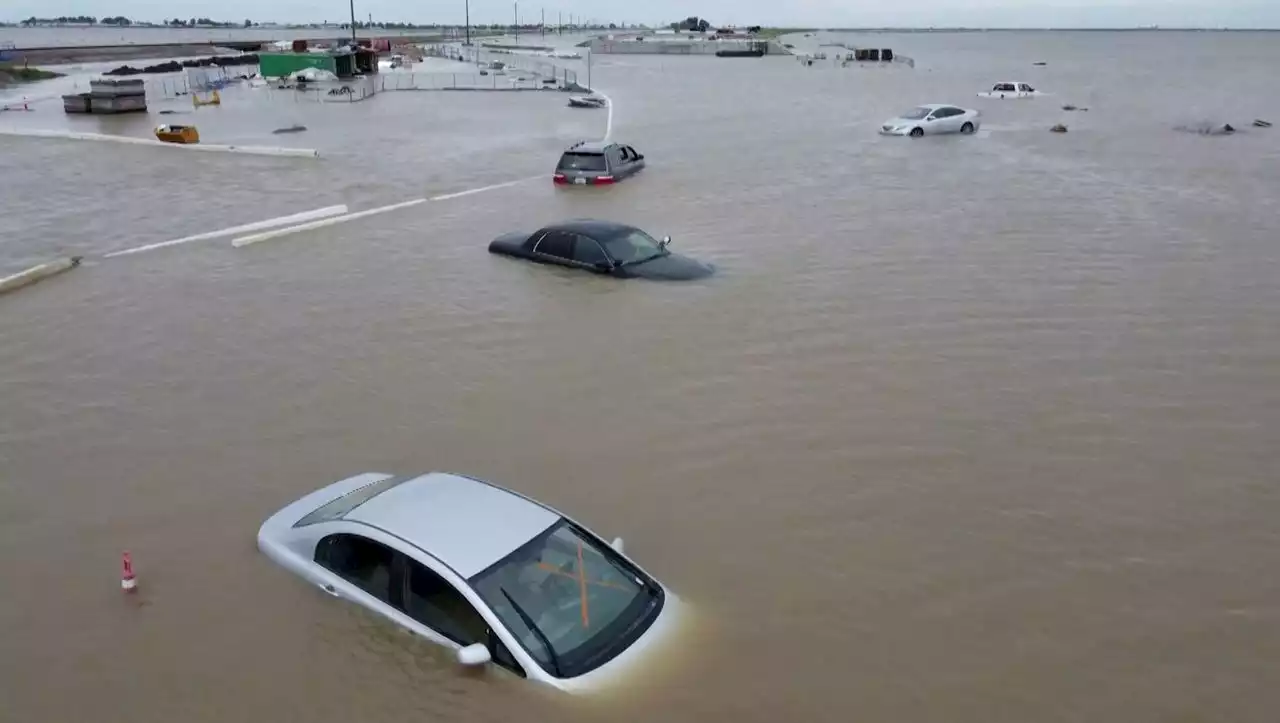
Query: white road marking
482	189
246	228
608	123
255	238
266	235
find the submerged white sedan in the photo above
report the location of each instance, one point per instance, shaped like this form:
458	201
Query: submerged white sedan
932	119
502	579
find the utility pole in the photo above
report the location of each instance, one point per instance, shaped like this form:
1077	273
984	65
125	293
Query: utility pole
542	24
353	22
468	11
559	23
515	18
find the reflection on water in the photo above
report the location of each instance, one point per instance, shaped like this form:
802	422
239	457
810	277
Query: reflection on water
964	429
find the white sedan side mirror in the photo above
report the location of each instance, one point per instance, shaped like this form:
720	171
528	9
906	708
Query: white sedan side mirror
617	545
474	654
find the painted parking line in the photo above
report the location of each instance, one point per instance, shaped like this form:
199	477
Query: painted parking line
322	223
246	228
290	230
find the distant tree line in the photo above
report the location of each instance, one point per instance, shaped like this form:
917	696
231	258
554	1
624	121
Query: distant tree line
480	26
693	22
122	22
206	23
700	25
62	20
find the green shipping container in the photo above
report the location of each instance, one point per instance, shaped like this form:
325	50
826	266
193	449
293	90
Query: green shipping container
278	65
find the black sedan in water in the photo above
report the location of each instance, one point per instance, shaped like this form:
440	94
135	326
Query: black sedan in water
603	247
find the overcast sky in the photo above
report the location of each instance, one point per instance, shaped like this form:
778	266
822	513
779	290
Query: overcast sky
819	13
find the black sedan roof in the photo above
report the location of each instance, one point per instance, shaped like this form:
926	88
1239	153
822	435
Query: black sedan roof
591	227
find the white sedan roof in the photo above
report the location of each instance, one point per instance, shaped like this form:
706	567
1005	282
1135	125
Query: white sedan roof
464	523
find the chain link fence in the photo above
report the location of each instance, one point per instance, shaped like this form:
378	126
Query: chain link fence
505	61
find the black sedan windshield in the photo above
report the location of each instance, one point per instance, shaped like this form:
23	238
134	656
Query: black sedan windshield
572	603
632	246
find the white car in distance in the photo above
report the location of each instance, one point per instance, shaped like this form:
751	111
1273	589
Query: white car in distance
932	119
494	575
1010	90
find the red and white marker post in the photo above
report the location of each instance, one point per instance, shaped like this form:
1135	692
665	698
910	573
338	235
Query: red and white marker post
128	582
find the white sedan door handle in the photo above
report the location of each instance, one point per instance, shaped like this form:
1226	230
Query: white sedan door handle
330	589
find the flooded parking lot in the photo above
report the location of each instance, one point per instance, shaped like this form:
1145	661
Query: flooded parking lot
964	429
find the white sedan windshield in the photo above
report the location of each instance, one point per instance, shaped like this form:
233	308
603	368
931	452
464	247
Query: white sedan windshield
573	604
916	113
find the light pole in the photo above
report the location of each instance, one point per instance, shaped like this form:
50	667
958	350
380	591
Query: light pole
468	11
515	19
353	22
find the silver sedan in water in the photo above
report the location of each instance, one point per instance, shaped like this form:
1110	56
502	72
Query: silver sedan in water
932	119
505	581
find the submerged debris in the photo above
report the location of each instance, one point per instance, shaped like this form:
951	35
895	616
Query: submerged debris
1208	129
174	66
295	128
1058	129
1259	123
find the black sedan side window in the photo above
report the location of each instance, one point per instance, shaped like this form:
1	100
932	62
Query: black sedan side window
556	243
587	251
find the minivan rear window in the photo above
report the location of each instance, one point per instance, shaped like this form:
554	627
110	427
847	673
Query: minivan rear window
582	162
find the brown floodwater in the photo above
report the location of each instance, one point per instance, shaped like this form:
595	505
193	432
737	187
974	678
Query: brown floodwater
964	429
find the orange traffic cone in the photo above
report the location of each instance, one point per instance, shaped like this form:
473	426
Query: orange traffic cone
127	581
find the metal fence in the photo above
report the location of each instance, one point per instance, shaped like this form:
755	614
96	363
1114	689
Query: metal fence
512	80
352	90
510	61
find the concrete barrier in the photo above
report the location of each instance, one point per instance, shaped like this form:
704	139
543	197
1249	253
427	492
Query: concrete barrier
37	273
255	150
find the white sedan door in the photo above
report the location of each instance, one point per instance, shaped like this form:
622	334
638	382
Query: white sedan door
949	120
936	122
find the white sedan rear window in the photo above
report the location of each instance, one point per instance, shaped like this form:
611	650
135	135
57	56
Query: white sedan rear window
335	509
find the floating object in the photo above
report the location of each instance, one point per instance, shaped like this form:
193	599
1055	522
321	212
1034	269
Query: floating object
586	101
1261	124
1040	62
1058	129
214	99
178	134
753	53
295	128
37	273
1207	129
128	582
77	136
